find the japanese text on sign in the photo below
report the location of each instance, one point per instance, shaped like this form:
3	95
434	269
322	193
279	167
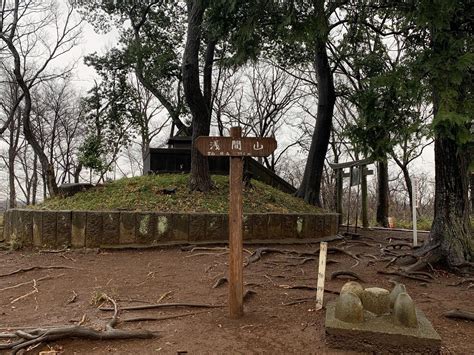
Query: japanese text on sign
237	147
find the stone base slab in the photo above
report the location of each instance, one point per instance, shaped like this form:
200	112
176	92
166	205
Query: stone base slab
381	335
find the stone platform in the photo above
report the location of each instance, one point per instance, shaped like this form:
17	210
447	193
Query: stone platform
379	334
118	229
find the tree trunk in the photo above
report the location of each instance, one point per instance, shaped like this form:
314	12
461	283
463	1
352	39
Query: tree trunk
310	188
200	178
472	192
403	165
34	180
382	193
11	178
77	173
451	227
46	166
450	240
363	187
409	186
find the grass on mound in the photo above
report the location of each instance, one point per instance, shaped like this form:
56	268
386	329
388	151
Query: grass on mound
144	193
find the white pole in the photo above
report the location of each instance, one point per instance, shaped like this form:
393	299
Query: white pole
323	249
414	202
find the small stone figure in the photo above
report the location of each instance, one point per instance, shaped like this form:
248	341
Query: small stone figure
349	308
376	300
399	288
404	312
354	287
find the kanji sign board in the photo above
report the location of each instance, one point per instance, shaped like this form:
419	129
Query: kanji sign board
236	147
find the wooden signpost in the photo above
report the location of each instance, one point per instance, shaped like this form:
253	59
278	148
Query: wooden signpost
236	147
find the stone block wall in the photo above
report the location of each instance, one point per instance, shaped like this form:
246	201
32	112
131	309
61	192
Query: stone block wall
92	229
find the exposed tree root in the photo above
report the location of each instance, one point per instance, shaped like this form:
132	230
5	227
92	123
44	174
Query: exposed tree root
307	287
302	261
258	253
399	245
163	305
408	275
298	301
298	287
462	282
147	318
395	258
207	254
221	281
351	274
466	268
359	242
22	339
459	314
248	294
37	268
369	256
398	238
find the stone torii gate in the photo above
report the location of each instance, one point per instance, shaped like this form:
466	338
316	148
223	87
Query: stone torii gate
358	175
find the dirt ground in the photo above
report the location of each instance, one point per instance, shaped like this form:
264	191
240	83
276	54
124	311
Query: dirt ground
269	325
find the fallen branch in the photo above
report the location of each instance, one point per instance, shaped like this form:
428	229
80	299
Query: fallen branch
162	297
35	290
299	301
352	274
37	268
22	339
459	314
31	281
163	305
73	298
298	287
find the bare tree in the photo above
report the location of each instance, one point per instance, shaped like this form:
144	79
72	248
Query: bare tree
260	99
32	30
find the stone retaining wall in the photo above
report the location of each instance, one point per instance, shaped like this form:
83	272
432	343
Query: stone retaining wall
91	229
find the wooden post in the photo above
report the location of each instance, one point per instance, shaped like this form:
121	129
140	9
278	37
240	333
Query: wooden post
323	249
236	148
236	305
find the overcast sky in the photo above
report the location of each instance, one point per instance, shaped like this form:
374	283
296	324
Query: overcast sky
90	42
